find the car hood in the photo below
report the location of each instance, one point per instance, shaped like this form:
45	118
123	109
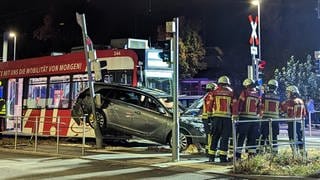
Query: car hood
194	121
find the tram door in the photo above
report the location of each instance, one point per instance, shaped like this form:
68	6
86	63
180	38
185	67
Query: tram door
15	91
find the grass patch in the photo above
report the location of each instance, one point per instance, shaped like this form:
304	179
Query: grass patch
282	164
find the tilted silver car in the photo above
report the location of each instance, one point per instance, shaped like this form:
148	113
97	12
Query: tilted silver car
138	111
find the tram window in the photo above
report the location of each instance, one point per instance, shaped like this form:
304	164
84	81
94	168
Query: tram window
59	89
37	92
119	76
79	83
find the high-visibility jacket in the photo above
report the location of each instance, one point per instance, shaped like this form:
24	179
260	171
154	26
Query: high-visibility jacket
223	102
2	107
270	105
294	108
249	103
207	105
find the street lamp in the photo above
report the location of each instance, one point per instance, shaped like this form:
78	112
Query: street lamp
14	36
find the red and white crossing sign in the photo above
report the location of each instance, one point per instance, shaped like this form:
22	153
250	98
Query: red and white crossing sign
254	40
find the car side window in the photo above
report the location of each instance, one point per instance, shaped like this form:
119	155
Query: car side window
126	96
149	103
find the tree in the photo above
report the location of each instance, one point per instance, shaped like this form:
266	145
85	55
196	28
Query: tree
191	49
300	74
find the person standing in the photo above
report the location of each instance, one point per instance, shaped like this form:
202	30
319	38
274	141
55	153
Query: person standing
311	111
249	109
270	108
223	99
207	113
294	107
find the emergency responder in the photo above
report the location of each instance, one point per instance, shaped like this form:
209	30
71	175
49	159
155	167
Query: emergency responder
293	107
248	107
270	107
207	113
223	99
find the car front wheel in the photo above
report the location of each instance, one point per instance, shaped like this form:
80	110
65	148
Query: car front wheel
102	121
184	141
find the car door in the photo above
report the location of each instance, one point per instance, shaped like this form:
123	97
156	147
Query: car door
151	120
124	108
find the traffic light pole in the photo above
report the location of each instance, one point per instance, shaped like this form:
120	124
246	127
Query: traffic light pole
175	128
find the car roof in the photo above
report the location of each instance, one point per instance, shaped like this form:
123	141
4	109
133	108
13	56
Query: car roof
155	92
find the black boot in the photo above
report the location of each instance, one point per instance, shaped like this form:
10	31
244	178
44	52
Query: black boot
223	158
238	156
211	158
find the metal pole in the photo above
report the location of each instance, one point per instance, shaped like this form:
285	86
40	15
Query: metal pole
5	47
83	134
58	134
16	134
304	155
270	135
294	137
14	47
234	137
36	136
309	119
259	30
175	128
90	78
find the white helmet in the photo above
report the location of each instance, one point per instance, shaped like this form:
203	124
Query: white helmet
210	86
247	82
224	80
273	82
293	89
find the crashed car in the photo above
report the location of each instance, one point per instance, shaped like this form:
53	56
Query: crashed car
137	111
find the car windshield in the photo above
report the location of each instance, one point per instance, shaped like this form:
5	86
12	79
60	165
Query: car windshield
165	99
197	104
195	108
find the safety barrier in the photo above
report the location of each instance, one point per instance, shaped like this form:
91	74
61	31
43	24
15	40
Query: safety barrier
271	144
310	120
19	120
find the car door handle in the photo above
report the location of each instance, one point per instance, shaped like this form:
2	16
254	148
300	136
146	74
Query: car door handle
138	112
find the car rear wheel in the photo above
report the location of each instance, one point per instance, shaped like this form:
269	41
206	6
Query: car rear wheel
184	141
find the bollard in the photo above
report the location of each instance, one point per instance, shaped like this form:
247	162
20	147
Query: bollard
58	134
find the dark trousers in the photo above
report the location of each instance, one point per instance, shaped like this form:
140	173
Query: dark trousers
2	125
207	127
249	130
298	132
265	133
221	131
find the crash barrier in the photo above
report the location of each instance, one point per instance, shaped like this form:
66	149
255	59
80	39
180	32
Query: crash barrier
313	118
293	144
17	121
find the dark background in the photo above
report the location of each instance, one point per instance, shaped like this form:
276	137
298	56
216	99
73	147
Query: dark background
289	27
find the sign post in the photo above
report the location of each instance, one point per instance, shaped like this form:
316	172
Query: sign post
89	54
173	27
254	40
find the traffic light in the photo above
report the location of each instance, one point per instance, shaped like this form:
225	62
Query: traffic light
261	66
165	55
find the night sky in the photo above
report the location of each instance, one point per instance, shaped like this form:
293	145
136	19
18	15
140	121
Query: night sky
289	27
